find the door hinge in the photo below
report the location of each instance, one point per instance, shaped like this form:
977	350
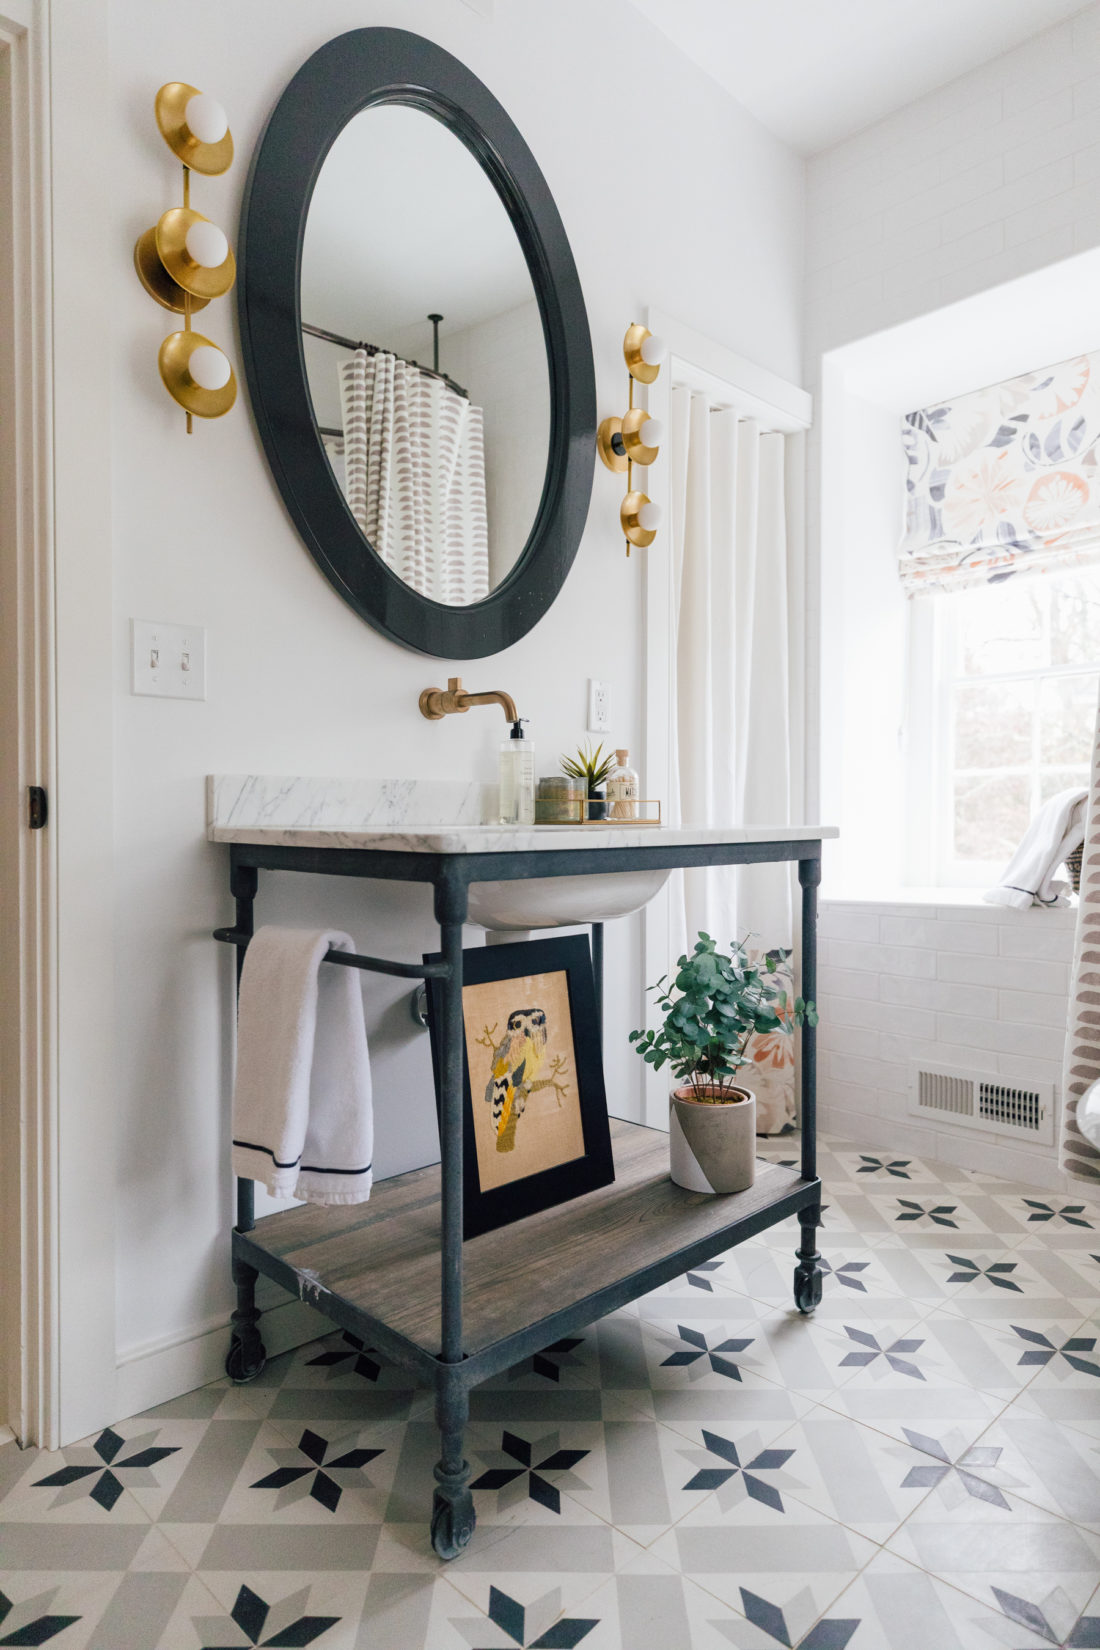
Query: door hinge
38	807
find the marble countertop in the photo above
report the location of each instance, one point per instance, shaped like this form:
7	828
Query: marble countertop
427	817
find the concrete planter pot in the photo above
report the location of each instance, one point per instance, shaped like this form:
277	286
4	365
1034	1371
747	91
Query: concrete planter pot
712	1148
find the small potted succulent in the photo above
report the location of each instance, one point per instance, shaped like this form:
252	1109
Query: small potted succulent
711	1010
591	767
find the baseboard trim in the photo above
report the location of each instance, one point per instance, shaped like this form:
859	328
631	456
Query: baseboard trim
166	1369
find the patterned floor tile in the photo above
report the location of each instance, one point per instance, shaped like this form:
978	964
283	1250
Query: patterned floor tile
284	1607
856	1281
92	1482
711	1294
1050	1465
704	1468
129	1611
998	1357
336	1380
646	1477
1061	1222
927	1407
1016	1549
795	1560
797	1353
419	1611
648	1606
998	1285
864	1478
895	1606
342	1476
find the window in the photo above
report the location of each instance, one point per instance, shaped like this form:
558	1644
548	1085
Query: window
1010	672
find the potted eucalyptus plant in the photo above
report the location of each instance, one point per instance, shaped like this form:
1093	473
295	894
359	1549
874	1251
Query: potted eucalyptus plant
592	768
711	1010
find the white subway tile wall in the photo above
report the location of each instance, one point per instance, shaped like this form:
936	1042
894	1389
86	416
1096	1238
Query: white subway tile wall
988	178
984	988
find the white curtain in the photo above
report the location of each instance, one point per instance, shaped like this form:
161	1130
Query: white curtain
415	476
731	721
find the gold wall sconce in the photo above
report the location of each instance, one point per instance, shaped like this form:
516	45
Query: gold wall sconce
635	438
185	260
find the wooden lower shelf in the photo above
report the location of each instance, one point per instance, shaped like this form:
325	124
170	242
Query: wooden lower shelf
571	1263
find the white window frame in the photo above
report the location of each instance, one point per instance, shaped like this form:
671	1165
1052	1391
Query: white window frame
931	670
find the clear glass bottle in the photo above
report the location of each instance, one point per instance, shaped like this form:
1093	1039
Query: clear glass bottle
622	789
517	778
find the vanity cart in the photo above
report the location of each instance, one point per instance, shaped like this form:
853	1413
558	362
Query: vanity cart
395	1271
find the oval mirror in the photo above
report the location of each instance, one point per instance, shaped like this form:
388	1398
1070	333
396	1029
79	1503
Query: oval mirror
416	345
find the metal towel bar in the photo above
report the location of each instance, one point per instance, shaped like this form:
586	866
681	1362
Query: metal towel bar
351	959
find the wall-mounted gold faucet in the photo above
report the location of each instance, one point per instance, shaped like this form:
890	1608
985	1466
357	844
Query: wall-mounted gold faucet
435	703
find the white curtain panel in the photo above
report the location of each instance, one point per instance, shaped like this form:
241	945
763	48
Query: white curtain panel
731	721
415	476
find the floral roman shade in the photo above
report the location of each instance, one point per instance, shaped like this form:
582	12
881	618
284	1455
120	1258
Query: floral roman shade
1004	481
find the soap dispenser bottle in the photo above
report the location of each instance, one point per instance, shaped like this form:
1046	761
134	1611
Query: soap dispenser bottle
517	778
622	789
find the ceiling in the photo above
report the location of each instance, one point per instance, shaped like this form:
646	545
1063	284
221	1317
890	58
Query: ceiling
815	71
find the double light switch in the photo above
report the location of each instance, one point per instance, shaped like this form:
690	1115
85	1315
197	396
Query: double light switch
168	660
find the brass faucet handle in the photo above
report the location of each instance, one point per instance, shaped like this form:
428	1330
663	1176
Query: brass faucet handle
435	703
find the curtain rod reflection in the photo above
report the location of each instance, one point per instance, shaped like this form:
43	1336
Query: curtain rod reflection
377	349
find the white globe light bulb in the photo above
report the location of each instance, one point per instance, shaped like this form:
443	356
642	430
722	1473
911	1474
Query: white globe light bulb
205	118
654	350
208	367
206	244
652	433
650	516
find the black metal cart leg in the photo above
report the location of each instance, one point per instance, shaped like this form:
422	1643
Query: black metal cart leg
452	1504
807	1274
247	1354
453	1516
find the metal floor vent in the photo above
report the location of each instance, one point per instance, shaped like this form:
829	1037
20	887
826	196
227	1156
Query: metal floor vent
975	1100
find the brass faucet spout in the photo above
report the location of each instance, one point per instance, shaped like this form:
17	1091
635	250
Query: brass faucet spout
435	703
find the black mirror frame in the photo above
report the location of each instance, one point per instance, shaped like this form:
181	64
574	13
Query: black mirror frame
353	72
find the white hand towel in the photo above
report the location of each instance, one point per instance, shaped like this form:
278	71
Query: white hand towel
1057	829
303	1118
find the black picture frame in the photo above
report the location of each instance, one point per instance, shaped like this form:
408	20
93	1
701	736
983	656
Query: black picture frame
485	1209
353	72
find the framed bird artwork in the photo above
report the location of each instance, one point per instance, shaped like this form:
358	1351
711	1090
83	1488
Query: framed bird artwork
535	1128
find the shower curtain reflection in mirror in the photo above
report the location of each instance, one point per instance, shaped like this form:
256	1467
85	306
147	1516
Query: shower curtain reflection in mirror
414	475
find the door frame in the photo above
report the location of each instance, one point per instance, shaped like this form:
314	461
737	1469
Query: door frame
706	365
57	963
28	1110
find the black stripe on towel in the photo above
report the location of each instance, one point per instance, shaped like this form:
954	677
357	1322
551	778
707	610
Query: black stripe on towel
308	1168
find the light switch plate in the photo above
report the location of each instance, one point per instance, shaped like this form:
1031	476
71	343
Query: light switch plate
599	706
168	660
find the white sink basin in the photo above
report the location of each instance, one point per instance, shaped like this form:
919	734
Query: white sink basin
562	902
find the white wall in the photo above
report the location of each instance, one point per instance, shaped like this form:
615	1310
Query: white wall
988	178
981	988
990	182
297	684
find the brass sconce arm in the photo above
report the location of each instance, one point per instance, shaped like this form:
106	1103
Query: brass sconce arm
635	438
435	703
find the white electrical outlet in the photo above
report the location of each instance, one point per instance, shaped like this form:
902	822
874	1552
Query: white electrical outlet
168	660
599	706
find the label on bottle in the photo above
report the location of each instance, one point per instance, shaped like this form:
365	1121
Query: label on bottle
622	796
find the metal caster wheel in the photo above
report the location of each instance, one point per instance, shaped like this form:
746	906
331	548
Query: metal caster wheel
452	1524
807	1289
245	1363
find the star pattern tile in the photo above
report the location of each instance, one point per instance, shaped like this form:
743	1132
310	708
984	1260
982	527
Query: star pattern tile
704	1468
